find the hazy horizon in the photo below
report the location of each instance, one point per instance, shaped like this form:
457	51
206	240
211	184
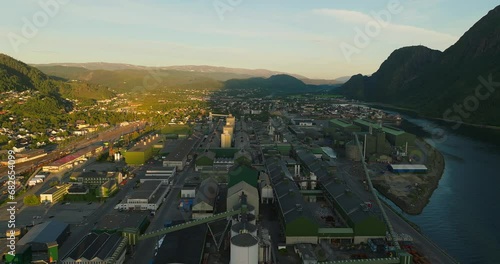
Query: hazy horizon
297	38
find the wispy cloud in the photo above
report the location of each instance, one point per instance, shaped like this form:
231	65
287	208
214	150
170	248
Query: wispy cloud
344	15
357	18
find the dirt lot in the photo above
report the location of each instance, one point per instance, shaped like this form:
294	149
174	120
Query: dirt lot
411	192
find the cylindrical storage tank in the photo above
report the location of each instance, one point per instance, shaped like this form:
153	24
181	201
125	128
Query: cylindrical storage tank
264	253
244	249
250	218
240	228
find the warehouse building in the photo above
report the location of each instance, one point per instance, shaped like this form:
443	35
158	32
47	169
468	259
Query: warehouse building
243	179
344	126
97	249
108	188
116	222
395	136
362	223
296	219
45	240
143	150
205	161
71	160
148	196
204	201
399	137
95	179
367	125
164	174
183	246
54	194
179	156
407	168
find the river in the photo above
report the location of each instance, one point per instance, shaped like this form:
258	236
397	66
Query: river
463	215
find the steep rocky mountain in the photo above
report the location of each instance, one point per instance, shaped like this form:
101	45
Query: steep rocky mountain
437	83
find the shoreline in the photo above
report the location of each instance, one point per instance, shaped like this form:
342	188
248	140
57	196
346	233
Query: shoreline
438	166
392	107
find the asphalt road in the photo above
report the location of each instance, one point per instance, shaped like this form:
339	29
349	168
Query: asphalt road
78	232
145	249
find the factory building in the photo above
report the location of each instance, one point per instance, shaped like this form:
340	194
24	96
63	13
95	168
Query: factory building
407	168
97	249
179	156
116	222
95	179
362	223
344	126
143	150
243	180
183	246
164	174
71	160
205	161
204	201
45	240
395	136
188	191
357	213
148	196
108	188
295	217
54	194
375	143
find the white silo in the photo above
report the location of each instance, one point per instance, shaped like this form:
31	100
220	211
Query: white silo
244	249
250	208
242	228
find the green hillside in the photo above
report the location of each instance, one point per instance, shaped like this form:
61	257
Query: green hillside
140	80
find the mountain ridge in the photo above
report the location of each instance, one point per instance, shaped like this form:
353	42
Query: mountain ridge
239	72
438	84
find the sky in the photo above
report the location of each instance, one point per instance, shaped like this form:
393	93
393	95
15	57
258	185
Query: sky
317	39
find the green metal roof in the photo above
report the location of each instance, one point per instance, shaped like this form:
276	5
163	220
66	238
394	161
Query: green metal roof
340	123
243	173
367	123
335	232
393	131
224	152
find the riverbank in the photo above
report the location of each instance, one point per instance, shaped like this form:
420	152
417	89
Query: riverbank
416	113
412	192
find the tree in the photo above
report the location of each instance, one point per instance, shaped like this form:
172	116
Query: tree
31	200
